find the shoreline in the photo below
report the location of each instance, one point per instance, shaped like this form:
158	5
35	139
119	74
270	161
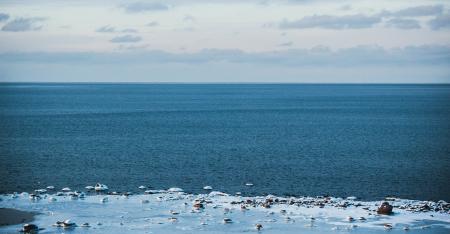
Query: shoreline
220	212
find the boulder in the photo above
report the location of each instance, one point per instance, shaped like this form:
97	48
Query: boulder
385	209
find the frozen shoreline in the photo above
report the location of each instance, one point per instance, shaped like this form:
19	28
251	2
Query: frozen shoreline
173	212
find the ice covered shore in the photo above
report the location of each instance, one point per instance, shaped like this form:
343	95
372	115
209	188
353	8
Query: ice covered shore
173	211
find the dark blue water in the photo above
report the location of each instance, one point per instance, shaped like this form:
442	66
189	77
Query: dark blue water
364	140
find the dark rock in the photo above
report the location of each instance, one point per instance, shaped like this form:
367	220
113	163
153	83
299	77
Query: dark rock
30	228
385	209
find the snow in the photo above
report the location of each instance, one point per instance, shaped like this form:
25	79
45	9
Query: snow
172	211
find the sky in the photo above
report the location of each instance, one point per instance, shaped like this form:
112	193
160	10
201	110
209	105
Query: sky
295	41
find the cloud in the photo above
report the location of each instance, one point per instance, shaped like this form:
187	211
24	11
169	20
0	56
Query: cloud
110	29
126	39
129	30
3	17
416	11
152	24
403	23
317	56
440	22
138	7
332	22
23	24
189	18
286	44
106	29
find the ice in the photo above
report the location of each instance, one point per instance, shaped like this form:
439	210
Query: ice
173	211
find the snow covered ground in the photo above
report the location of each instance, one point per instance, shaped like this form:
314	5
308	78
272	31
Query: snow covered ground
174	212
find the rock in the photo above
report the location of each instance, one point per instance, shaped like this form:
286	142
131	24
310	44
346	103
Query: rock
175	190
199	205
40	191
68	224
100	187
227	220
258	226
30	228
85	225
388	226
385	209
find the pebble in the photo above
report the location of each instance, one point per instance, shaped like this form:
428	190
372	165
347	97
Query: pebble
66	189
30	228
227	220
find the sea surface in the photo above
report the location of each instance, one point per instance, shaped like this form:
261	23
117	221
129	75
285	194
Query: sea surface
368	141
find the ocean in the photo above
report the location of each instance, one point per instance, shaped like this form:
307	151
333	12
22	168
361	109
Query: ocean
368	141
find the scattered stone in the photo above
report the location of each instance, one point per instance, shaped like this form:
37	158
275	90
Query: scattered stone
175	190
258	226
30	228
40	191
388	226
100	187
85	225
385	209
66	189
227	220
68	224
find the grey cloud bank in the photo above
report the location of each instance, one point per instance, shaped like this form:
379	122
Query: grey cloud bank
332	22
363	64
126	39
23	24
416	11
440	22
403	23
318	56
137	7
3	17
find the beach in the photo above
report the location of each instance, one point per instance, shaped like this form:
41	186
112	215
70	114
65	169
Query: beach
173	211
